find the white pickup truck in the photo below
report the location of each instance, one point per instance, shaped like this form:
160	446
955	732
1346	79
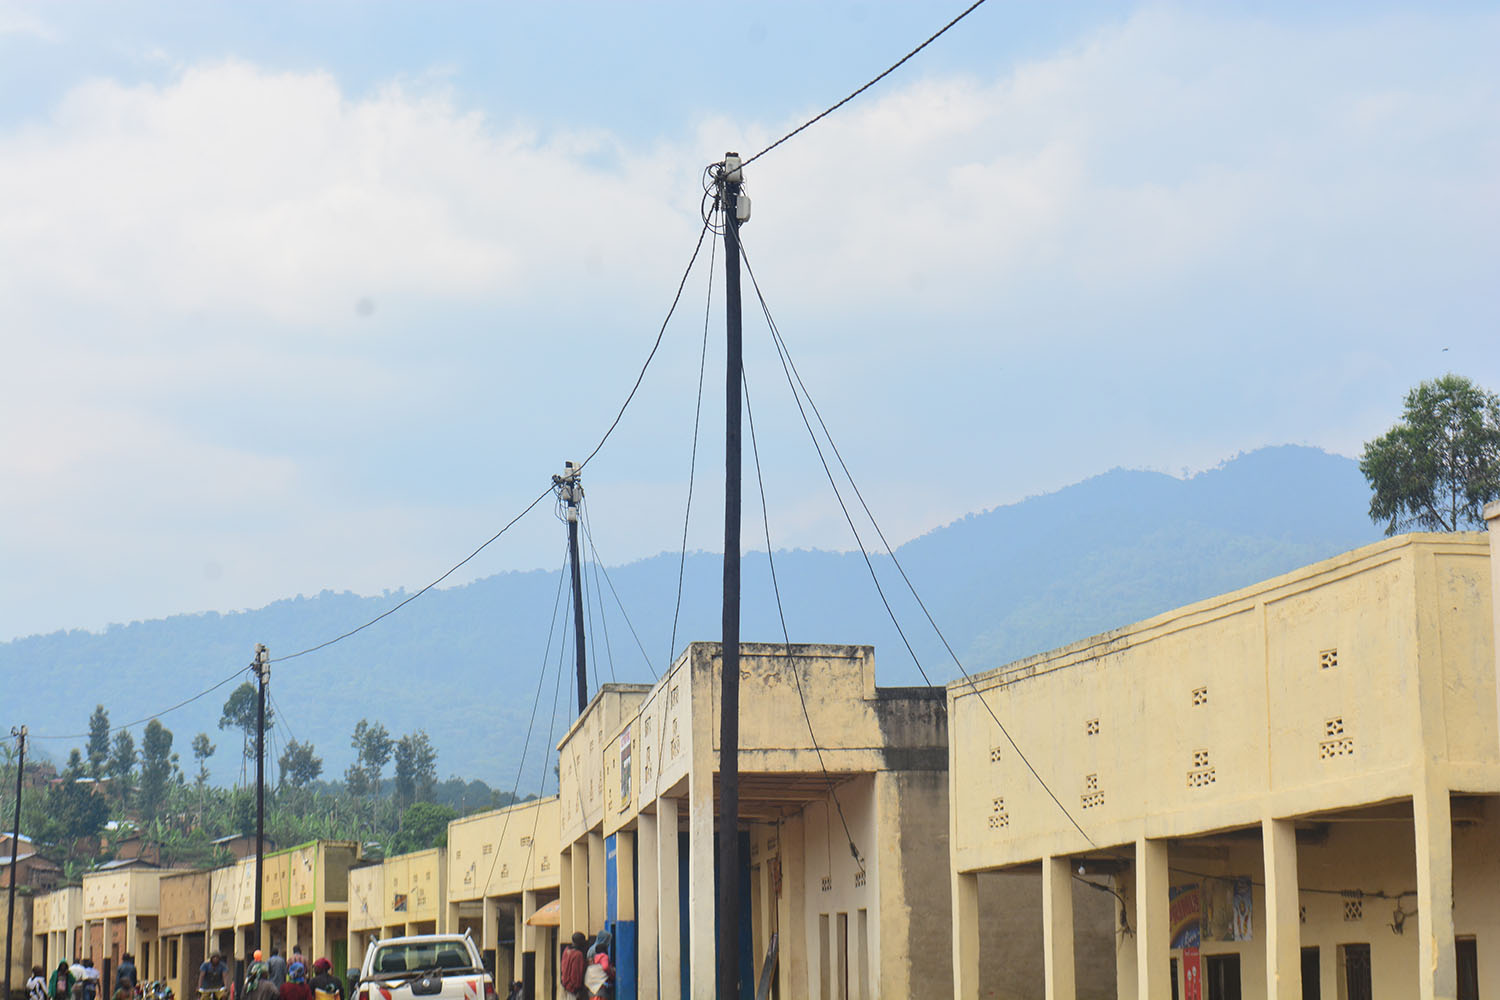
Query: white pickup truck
424	967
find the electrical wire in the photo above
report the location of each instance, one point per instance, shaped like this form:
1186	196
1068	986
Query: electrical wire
785	635
609	649
148	718
588	534
693	459
536	701
511	523
887	72
588	609
787	365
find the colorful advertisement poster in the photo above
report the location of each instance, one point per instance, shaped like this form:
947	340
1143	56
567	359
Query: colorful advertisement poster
1227	910
1185	910
625	769
1192	975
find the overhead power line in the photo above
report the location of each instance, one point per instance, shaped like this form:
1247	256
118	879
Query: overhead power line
795	382
887	72
546	492
154	715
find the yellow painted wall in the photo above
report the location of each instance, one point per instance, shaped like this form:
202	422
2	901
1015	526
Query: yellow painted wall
504	851
113	894
1315	690
184	902
367	898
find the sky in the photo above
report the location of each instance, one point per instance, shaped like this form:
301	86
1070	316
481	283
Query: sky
306	296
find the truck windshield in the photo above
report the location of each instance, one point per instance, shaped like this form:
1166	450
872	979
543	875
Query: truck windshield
395	959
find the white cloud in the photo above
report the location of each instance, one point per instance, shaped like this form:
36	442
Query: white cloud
182	263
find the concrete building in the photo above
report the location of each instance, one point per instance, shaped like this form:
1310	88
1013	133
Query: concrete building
502	869
406	894
638	814
57	927
304	901
185	901
121	903
1294	788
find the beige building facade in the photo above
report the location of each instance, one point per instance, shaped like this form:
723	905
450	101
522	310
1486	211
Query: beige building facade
1288	791
57	927
860	764
502	870
405	894
120	910
185	898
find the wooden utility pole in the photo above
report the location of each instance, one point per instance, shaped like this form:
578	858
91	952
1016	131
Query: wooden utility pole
570	493
262	666
15	843
729	700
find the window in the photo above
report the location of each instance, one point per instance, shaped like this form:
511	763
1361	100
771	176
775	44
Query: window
1222	975
1354	967
862	937
1467	951
1312	975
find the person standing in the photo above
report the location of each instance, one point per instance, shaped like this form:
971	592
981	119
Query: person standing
91	980
276	966
126	975
571	967
36	986
325	984
295	987
61	983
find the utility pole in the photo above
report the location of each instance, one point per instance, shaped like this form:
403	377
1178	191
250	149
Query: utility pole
15	843
570	494
735	211
262	667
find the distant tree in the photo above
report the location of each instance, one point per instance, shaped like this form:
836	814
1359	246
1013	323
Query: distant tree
157	762
356	781
1439	466
73	770
416	769
299	765
121	766
241	711
202	750
76	813
373	745
423	825
98	745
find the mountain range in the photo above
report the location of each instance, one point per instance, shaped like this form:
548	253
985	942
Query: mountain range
468	663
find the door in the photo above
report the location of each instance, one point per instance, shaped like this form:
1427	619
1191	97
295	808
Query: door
1312	973
1356	970
1467	952
1222	975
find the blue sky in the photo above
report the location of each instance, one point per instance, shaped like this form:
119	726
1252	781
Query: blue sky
305	296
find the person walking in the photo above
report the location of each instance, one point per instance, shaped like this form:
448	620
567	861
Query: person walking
91	980
276	966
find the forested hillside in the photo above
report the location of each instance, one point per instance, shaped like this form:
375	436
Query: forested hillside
463	663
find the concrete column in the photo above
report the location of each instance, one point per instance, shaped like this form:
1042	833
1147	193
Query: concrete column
647	917
625	874
669	908
526	935
702	894
965	936
1153	942
293	934
565	917
1283	912
1492	518
489	924
583	874
1057	929
792	909
596	897
1436	963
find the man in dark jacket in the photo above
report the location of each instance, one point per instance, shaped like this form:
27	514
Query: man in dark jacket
125	975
